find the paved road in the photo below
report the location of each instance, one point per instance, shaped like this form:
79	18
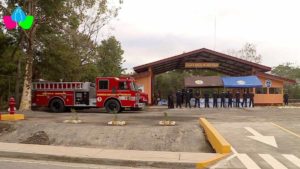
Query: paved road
9	163
261	141
262	137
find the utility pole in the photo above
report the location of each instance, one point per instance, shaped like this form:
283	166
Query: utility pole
215	32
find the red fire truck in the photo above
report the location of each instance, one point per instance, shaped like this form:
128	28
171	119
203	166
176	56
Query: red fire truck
112	93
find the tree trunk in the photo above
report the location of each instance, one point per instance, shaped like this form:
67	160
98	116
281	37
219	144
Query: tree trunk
18	80
26	95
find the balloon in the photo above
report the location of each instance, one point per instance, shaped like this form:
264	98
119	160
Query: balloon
27	23
9	23
18	15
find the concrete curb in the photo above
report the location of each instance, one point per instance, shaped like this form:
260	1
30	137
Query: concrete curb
206	163
217	141
11	117
101	161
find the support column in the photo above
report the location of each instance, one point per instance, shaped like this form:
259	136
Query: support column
146	80
151	93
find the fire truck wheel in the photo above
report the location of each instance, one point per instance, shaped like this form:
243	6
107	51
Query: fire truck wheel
112	105
57	105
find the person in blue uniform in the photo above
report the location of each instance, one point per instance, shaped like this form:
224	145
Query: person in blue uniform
286	99
222	96
183	92
251	99
206	100
178	99
245	97
170	101
229	95
188	96
215	100
237	99
197	99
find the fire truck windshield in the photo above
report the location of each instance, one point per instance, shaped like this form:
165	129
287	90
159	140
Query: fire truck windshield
133	86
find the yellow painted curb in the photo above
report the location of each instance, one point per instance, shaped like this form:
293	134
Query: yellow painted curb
216	140
204	164
12	117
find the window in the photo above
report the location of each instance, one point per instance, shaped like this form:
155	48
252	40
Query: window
103	84
261	90
133	86
274	90
123	86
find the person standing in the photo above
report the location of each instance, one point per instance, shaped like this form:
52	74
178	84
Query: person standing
215	100
251	101
191	96
237	99
197	99
178	99
245	97
222	96
229	99
206	100
188	97
286	98
183	92
170	101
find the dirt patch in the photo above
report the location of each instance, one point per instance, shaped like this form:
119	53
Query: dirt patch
6	128
39	137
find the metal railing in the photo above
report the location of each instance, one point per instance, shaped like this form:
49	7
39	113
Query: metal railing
56	85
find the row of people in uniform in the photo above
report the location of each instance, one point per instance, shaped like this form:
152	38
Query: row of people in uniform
184	97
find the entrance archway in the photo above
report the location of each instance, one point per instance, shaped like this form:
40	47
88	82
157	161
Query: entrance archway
212	60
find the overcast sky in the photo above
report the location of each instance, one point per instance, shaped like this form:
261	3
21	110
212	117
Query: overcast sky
150	30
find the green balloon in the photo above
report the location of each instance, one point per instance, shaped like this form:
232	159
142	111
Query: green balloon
27	23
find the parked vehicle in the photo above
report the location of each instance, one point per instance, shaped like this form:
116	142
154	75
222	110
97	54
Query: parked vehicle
111	93
163	102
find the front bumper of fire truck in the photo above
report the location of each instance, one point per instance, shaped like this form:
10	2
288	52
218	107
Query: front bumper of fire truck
140	105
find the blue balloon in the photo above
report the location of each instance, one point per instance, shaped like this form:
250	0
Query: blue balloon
18	15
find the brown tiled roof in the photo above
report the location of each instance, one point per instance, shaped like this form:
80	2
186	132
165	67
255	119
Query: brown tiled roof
228	64
275	77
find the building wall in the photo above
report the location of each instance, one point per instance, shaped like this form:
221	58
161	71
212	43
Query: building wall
146	81
269	99
259	99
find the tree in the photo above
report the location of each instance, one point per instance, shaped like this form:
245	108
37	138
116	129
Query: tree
171	81
287	70
291	71
248	52
109	57
57	19
10	56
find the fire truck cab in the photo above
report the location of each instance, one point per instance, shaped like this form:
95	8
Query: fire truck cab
111	93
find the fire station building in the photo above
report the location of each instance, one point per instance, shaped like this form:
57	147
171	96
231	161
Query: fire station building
238	74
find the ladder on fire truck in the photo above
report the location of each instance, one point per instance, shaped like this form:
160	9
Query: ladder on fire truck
57	85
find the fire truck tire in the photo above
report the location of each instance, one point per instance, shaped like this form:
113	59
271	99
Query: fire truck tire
112	105
57	105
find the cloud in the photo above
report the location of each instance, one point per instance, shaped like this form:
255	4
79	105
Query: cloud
153	30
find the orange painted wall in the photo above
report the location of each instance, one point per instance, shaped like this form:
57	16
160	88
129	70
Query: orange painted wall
269	98
146	82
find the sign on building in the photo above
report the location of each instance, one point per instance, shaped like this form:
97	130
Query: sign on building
201	65
268	83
